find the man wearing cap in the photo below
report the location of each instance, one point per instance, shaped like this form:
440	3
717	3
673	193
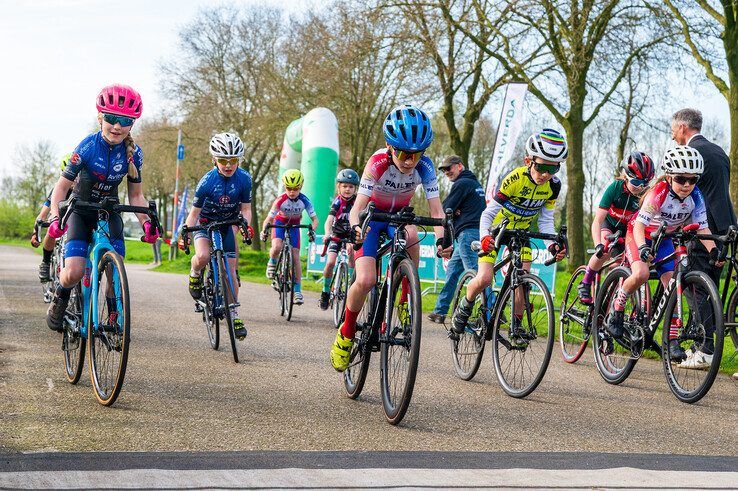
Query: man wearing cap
466	199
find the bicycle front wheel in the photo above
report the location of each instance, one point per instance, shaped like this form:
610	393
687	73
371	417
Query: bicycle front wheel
468	350
288	291
574	320
361	352
400	343
699	332
523	337
340	291
108	342
731	319
228	298
212	324
73	344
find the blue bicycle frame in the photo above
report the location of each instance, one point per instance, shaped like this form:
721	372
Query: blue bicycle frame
216	241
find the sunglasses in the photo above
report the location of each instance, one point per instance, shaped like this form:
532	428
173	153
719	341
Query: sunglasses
114	118
404	155
639	183
547	168
292	189
227	160
445	170
686	180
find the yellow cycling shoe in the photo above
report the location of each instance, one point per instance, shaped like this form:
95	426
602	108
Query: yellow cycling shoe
341	352
403	313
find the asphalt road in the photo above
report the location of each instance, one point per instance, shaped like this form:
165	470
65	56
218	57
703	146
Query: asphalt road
179	395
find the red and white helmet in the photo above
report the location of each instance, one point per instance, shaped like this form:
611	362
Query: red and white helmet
121	100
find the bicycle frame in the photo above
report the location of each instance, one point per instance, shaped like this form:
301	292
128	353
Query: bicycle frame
216	244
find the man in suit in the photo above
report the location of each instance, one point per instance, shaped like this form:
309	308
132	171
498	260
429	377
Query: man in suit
686	125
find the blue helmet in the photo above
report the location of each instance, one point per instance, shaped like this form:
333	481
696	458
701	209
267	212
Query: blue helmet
349	176
408	128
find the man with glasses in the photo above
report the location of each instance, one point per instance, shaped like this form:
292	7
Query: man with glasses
466	199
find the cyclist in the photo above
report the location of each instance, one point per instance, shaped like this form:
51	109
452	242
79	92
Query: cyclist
287	210
48	242
527	192
99	163
223	193
390	178
674	200
337	225
618	205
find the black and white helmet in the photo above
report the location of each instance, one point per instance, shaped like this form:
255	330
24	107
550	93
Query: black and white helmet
683	160
226	145
548	145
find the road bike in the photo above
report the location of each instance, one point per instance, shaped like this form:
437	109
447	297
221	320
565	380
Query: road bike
522	336
575	317
218	298
730	298
689	304
98	315
57	257
284	274
390	319
341	280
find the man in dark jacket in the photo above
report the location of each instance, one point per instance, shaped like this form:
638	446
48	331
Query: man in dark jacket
686	125
466	199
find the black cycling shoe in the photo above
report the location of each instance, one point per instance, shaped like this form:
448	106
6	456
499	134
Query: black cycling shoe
238	329
585	293
55	314
196	286
460	318
324	300
615	324
676	353
518	333
44	272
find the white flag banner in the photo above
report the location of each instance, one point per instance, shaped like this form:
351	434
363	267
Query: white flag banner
511	123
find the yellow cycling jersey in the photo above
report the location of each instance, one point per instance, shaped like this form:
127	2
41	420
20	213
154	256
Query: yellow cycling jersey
520	200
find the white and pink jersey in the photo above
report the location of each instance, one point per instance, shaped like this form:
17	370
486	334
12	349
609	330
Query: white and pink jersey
289	211
389	188
662	205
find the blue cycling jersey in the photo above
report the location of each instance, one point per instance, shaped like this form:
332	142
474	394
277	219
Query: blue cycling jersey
221	197
101	167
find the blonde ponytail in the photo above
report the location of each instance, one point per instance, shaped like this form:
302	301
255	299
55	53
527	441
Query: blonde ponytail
130	149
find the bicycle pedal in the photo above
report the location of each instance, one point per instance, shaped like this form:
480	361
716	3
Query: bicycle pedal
198	307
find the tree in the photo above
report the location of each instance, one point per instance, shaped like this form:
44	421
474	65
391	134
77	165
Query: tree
568	52
39	168
705	25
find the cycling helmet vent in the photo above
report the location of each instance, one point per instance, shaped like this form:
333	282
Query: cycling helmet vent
408	128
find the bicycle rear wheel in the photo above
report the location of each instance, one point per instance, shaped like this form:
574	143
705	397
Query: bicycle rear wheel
574	320
614	361
288	291
731	319
702	331
340	290
521	355
228	298
212	324
361	352
468	350
400	345
73	344
108	343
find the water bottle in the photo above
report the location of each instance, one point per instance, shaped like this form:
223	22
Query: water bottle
491	298
86	279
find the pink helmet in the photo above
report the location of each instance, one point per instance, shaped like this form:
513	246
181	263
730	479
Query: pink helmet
121	100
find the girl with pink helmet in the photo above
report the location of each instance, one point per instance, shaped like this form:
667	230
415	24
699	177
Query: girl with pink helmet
97	166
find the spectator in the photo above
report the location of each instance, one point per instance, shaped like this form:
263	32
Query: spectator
466	199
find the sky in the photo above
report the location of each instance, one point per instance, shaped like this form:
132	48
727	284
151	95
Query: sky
56	55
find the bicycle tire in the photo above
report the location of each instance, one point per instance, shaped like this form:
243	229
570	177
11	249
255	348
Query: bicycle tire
212	324
279	279
288	284
361	352
107	379
515	385
467	351
74	359
340	291
228	299
572	342
677	378
615	367
732	317
395	400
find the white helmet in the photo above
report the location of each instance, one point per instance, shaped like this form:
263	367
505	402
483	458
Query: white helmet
226	145
548	144
683	160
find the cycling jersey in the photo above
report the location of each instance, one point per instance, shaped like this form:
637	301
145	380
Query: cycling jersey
620	204
221	197
341	207
520	200
662	205
289	211
392	190
101	167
